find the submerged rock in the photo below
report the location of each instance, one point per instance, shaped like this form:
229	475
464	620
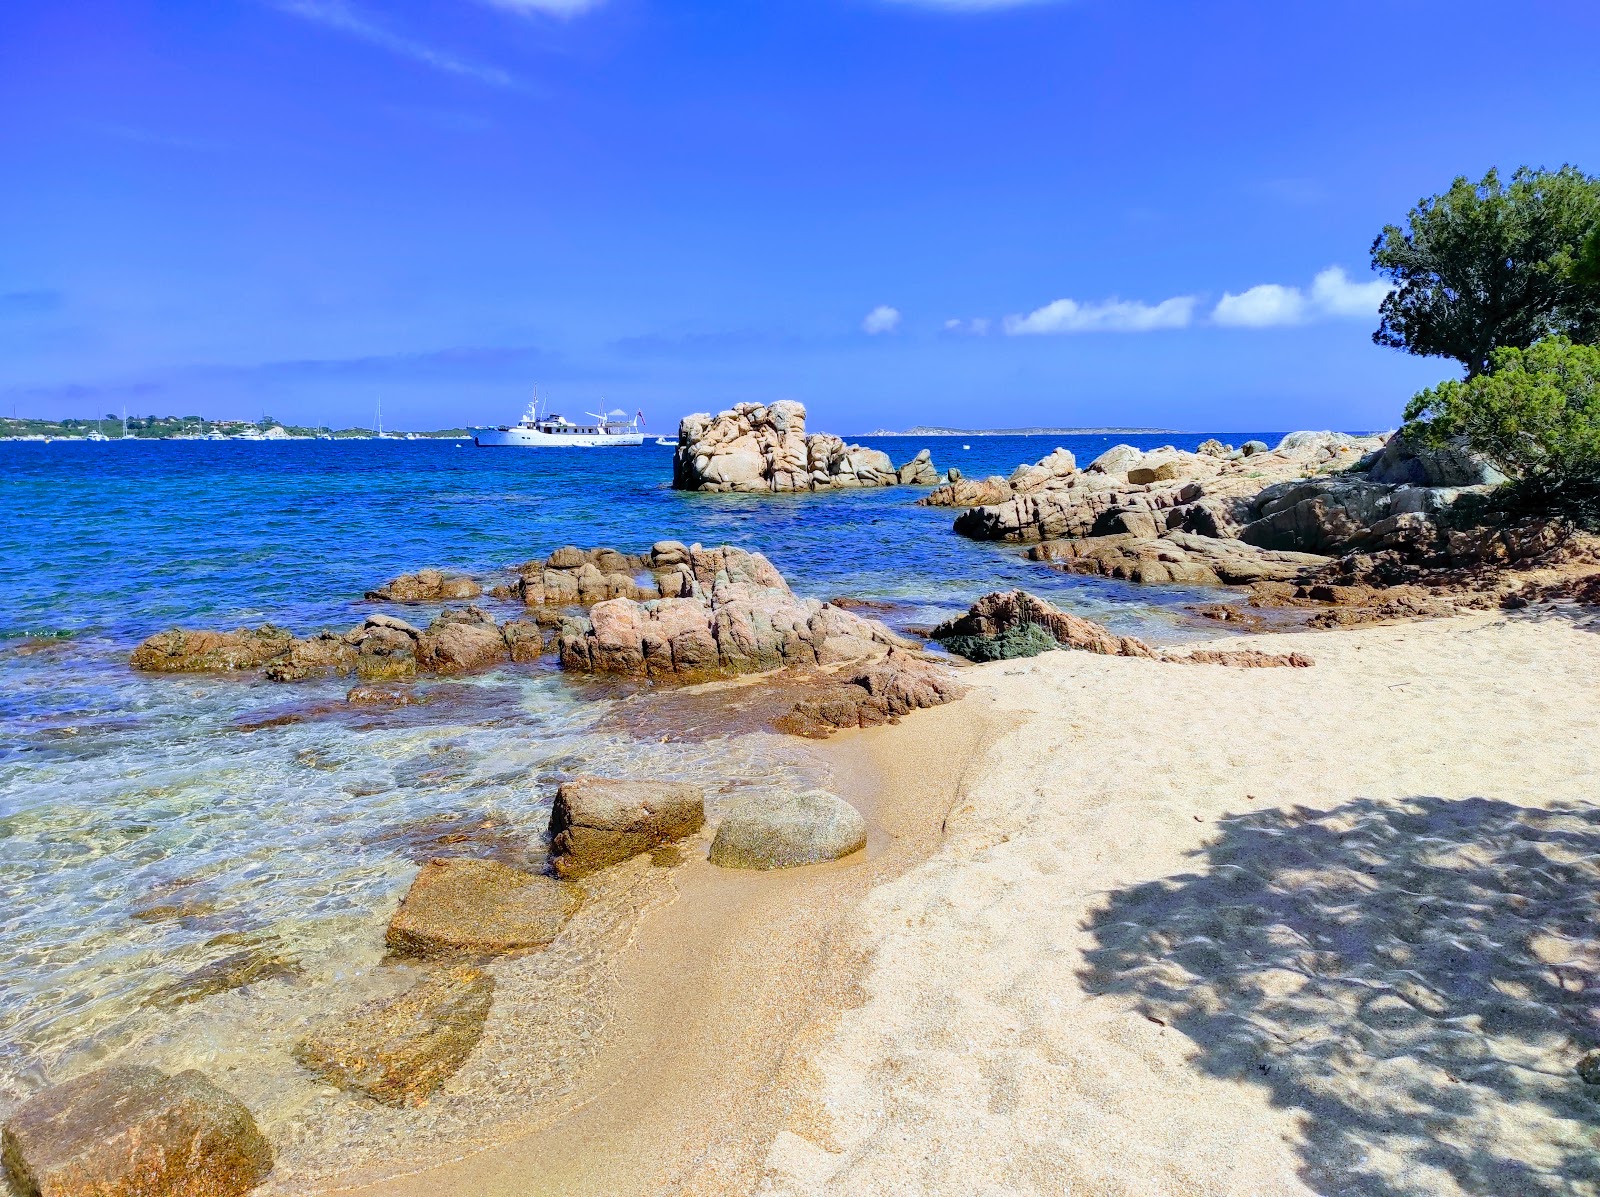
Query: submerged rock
599	821
248	966
764	449
805	828
426	586
399	1050
465	906
133	1131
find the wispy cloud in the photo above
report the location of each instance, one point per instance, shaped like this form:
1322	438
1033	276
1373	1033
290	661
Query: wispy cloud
334	14
881	319
31	302
557	8
1332	294
978	326
974	5
1112	315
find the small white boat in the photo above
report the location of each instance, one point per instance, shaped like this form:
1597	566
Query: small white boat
671	444
550	431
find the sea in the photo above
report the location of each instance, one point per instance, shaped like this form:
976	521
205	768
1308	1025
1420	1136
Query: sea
150	825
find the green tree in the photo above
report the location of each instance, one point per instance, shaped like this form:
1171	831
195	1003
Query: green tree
1490	264
1535	414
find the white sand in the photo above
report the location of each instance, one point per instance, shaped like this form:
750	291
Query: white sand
1386	998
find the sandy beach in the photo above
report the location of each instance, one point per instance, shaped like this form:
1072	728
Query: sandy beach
1126	927
1210	931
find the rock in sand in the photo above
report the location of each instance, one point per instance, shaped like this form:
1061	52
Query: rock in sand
806	828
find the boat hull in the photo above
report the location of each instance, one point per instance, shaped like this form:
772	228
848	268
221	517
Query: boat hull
530	438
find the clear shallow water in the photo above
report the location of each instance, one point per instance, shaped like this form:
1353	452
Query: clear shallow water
220	797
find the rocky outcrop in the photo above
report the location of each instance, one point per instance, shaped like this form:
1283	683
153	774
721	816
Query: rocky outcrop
920	470
1406	461
380	648
1138	492
132	1131
599	821
181	651
478	907
802	829
399	1050
574	577
995	615
426	586
762	450
737	616
1174	557
899	684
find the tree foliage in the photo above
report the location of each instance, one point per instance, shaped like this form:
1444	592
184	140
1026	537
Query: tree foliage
1490	265
1535	414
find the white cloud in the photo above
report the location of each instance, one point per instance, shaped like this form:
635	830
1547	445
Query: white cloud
1335	293
559	8
978	326
1271	305
881	319
1114	315
1261	307
334	14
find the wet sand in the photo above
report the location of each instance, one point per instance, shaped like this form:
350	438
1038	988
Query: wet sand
723	992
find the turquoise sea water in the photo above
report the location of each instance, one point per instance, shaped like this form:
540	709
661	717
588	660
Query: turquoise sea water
245	812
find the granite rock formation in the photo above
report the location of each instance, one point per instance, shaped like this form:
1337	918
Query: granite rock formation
426	586
736	615
764	449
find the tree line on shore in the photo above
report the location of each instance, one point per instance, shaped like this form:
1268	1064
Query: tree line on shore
1503	276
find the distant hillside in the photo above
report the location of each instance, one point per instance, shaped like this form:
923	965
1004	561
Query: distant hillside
920	431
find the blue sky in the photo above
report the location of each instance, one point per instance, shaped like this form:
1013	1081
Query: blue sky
979	214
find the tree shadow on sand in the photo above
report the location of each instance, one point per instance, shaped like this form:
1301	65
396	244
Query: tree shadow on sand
1418	978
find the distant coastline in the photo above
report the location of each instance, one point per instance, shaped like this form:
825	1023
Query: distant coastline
920	431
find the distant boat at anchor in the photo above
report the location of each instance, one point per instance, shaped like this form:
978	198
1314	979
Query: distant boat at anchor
551	431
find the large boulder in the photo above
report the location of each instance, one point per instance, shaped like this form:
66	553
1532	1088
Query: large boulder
478	907
920	470
133	1131
738	616
461	642
600	821
399	1050
1407	461
426	586
764	449
801	829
